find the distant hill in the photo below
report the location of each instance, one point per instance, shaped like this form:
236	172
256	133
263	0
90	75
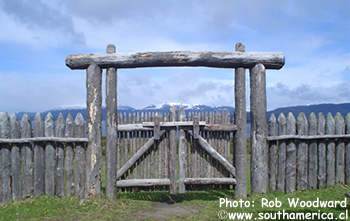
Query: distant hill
307	109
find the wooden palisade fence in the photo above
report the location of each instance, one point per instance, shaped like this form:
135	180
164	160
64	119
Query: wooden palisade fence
308	152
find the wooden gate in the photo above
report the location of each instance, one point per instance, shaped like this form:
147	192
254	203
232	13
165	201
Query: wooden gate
179	155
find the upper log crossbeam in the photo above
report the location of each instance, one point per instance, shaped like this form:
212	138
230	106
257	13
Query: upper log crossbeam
270	60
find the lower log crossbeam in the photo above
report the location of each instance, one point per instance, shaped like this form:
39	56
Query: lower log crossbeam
166	182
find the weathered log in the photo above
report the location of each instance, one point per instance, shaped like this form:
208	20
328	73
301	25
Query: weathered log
184	125
68	159
182	153
209	181
347	151
141	151
340	150
5	162
313	153
143	182
321	151
259	151
240	118
282	154
214	154
39	156
94	118
271	60
15	159
302	154
43	140
173	188
27	156
291	156
59	179
80	157
315	137
111	127
272	126
50	156
330	129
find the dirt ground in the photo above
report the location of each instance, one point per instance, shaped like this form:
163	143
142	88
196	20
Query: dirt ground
163	211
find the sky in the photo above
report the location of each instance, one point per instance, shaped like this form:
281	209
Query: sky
36	36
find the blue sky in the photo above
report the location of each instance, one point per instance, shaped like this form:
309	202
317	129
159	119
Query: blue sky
36	37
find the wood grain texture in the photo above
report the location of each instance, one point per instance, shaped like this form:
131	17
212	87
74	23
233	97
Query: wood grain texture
79	158
50	156
5	160
302	154
182	153
240	119
282	154
94	118
39	156
258	134
69	156
312	180
330	153
340	150
27	154
321	124
59	179
173	188
15	159
271	60
272	131
111	127
291	160
347	150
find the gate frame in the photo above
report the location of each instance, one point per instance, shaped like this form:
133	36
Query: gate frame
256	62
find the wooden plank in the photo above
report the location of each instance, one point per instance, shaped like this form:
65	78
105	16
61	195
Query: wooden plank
148	153
258	134
111	127
291	160
60	127
211	141
182	153
134	158
315	137
94	117
282	154
208	181
155	153
15	159
165	144
330	129
272	127
322	171
143	182
347	151
68	159
272	60
240	117
312	180
50	156
39	157
80	157
173	188
340	150
27	153
5	162
302	154
213	153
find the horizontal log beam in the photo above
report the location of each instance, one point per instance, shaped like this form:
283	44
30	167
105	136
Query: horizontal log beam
143	182
137	156
166	182
214	154
44	139
132	127
271	60
189	124
206	181
315	137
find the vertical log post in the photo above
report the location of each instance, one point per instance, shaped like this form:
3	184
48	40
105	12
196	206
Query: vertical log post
5	162
240	136
282	154
172	154
80	157
259	157
291	159
340	150
50	156
15	159
302	153
182	153
68	160
94	117
313	153
347	151
27	156
272	153
60	126
321	124
111	128
330	153
39	154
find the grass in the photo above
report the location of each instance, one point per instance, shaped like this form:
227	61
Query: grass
138	205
